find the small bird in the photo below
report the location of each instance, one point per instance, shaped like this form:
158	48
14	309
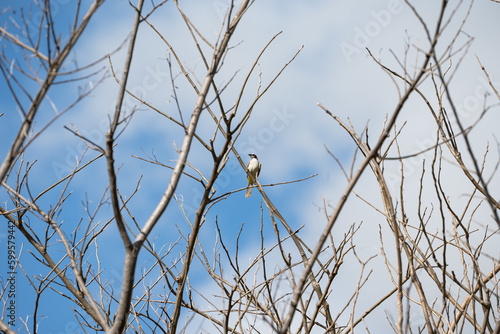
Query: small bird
254	169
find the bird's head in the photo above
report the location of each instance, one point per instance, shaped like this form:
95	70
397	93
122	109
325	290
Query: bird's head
253	155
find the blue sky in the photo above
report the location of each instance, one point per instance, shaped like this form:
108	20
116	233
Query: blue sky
287	130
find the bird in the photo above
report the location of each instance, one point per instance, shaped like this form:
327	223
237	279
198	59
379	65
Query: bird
253	169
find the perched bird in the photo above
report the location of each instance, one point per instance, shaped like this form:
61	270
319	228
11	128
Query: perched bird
254	169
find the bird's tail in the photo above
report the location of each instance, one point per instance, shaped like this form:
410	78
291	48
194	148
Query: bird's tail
249	188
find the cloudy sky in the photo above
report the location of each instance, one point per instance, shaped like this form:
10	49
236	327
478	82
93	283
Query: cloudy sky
287	130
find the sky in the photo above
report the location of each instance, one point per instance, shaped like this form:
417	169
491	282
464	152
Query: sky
287	130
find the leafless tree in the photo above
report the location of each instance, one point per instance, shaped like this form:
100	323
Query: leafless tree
435	258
